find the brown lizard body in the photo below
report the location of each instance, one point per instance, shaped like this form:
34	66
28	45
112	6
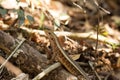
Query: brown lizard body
63	57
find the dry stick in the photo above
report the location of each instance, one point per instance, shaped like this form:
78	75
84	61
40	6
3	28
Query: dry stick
78	6
12	53
88	35
98	8
104	10
10	67
46	71
90	63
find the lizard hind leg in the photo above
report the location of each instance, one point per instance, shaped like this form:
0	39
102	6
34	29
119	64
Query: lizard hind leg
52	59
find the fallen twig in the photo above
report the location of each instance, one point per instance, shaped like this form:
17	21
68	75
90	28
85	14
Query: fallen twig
46	71
91	65
10	66
88	35
12	53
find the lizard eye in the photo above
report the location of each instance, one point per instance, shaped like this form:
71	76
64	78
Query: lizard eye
48	32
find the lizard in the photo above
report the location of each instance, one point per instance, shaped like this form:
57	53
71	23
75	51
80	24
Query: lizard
63	57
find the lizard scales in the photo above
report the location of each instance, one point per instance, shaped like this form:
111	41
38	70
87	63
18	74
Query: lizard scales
63	57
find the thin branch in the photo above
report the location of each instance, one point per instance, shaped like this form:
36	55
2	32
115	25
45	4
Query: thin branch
88	35
46	71
91	65
12	53
10	66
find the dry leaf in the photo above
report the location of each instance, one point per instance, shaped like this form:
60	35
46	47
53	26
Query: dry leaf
9	4
75	56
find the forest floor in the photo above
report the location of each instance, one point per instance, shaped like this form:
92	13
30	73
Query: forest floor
88	30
